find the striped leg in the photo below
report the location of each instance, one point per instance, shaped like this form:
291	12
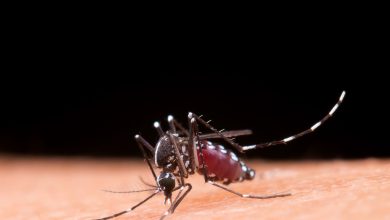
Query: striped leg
173	124
141	144
180	163
177	200
220	133
263	145
160	131
293	137
198	162
174	205
192	151
130	209
247	195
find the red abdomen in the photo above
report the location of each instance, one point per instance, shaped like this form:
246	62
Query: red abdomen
222	163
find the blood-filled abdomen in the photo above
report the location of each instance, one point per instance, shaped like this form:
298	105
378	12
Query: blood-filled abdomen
223	164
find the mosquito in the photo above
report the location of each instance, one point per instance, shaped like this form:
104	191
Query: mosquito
181	152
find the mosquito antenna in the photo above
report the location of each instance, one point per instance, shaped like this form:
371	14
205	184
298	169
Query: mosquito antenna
131	191
146	183
130	209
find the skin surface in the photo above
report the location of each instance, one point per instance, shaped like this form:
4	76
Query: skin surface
70	188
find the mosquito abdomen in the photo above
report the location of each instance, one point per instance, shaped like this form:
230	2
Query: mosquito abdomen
223	164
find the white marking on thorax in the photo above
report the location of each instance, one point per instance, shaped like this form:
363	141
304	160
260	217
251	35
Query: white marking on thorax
184	149
155	155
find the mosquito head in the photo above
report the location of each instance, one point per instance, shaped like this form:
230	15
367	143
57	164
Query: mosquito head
250	174
166	182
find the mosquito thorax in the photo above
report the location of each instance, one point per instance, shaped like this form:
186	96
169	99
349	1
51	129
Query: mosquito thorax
164	155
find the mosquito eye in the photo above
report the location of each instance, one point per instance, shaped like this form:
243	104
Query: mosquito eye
166	181
250	174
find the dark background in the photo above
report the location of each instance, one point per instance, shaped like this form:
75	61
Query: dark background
99	115
86	87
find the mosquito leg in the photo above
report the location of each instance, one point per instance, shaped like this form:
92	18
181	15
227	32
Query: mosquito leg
283	141
182	168
311	129
160	131
130	209
247	195
177	200
195	134
173	124
144	143
132	191
146	183
220	133
228	134
141	144
192	151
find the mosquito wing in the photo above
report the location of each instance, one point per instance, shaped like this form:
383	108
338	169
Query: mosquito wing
227	134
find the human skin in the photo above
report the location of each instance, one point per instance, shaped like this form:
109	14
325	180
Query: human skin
71	188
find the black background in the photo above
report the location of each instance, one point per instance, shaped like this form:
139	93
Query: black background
87	89
99	115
